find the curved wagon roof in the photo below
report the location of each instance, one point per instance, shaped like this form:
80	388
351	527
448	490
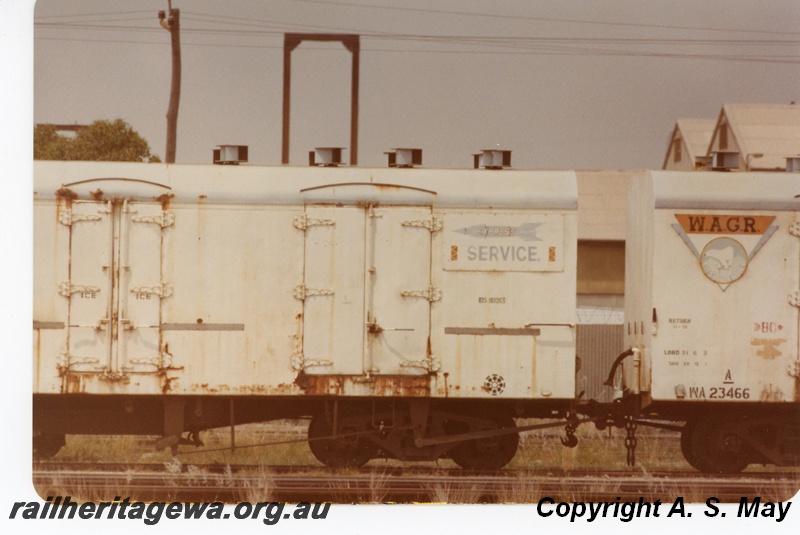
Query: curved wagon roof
742	191
290	185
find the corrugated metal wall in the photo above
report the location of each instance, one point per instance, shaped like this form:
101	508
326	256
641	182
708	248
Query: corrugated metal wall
597	346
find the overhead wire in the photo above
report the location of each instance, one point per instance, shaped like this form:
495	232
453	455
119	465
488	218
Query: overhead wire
544	19
93	14
459	39
482	15
509	45
544	51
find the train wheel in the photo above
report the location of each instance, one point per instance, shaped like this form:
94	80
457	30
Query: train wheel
46	445
487	453
712	445
344	452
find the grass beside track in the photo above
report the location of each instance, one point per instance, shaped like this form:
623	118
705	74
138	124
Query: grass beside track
539	451
656	450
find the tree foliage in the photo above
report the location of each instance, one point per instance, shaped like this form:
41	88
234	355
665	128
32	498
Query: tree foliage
113	141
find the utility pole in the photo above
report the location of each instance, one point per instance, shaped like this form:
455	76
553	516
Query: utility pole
172	25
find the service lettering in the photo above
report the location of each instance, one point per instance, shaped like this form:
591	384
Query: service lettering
497	253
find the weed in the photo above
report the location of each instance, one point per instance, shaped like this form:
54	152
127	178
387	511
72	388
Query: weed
455	493
260	488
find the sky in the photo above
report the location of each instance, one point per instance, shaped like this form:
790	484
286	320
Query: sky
565	85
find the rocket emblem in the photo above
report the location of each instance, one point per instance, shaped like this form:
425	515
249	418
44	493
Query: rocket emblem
525	231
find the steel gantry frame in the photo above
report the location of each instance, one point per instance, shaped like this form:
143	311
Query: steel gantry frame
352	43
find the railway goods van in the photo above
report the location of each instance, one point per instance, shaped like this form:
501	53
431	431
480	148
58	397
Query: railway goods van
403	311
711	312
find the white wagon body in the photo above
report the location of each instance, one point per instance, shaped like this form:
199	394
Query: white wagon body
227	280
712	275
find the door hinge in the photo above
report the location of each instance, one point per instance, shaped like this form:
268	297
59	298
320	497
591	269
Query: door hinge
432	294
794	298
302	222
431	364
149	361
65	361
301	292
794	229
162	291
161	362
434	224
67	218
114	377
66	289
167	362
300	363
165	219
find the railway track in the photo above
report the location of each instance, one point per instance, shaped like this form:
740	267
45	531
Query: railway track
393	469
404	485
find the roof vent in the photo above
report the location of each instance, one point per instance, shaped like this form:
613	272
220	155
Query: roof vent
325	156
404	157
492	159
702	162
725	161
230	154
793	164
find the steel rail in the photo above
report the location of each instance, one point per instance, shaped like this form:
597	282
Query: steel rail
388	487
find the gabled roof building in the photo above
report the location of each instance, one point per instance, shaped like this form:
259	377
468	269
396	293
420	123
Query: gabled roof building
755	137
745	137
688	145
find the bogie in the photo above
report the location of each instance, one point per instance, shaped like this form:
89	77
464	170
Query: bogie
714	445
491	453
726	442
362	434
347	447
47	445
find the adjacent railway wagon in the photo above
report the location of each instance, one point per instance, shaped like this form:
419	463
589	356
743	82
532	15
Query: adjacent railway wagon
409	313
711	309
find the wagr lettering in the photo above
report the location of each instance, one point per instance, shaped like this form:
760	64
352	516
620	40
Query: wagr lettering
495	253
724	224
746	225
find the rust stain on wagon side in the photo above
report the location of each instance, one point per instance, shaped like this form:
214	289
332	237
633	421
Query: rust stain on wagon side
205	388
267	390
376	385
166	386
770	393
64	198
66	193
75	383
245	389
768	348
165	199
